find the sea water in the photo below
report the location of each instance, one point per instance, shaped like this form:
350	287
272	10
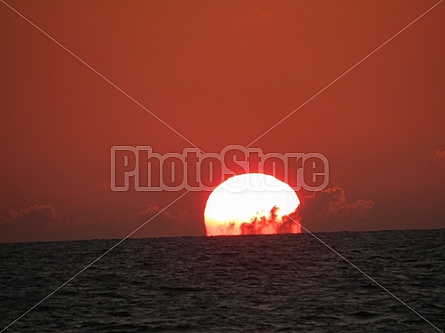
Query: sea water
274	283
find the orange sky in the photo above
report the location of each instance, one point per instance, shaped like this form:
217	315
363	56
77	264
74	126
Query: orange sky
220	72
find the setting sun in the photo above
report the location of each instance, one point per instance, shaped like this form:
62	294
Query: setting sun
252	203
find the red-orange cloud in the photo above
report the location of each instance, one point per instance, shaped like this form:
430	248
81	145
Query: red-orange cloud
37	214
34	223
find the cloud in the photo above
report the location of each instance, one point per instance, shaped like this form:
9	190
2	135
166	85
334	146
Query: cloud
37	214
270	224
326	210
329	210
153	210
161	223
34	223
43	223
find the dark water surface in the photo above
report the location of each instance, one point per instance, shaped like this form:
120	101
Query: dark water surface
279	283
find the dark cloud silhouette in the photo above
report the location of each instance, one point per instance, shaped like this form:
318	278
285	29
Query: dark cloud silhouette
163	222
42	223
34	223
328	210
37	214
324	210
271	224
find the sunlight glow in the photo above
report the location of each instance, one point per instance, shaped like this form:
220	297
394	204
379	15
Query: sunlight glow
250	198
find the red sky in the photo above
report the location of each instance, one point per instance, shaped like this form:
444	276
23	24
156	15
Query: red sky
219	72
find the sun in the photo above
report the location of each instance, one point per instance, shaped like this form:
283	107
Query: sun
252	203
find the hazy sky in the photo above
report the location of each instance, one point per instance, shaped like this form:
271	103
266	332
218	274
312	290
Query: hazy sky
219	72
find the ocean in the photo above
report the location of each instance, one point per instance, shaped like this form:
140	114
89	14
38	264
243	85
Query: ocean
273	283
